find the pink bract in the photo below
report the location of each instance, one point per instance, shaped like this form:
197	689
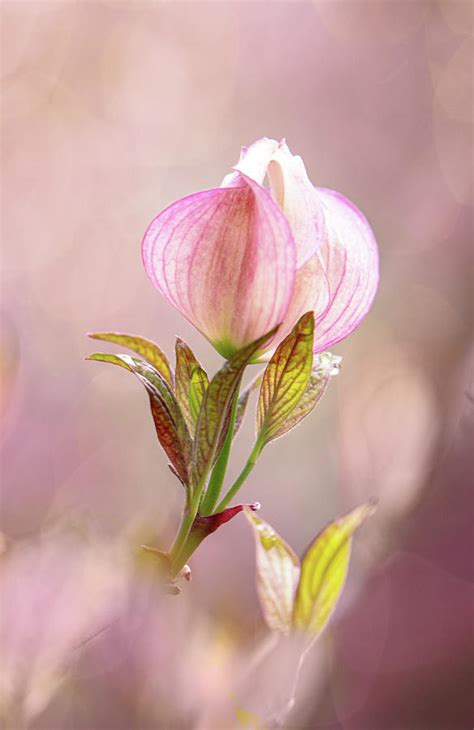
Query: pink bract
240	259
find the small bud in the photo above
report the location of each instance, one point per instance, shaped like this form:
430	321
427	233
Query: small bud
185	573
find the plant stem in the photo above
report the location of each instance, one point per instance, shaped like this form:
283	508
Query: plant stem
186	542
192	542
241	478
218	473
183	532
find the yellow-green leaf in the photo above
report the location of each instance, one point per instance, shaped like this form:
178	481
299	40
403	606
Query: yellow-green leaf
324	367
147	349
198	385
324	569
186	363
169	423
216	405
278	570
285	379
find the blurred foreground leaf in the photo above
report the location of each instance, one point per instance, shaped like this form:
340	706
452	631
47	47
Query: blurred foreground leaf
285	379
324	569
249	720
278	570
170	426
147	349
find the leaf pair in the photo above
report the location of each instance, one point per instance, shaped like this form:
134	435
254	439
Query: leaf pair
302	596
292	383
191	415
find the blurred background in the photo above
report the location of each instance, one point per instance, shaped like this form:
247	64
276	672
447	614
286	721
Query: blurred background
110	111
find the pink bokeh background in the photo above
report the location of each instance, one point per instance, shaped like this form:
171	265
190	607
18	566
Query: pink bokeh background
110	111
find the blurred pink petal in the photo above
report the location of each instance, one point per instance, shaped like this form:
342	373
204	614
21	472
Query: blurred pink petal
226	259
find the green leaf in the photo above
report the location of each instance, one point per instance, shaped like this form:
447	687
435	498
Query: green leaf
216	406
222	452
239	415
186	363
198	385
285	379
170	426
324	569
278	570
113	359
324	368
243	401
147	349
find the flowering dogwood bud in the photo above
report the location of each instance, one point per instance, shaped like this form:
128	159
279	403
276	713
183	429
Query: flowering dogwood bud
239	259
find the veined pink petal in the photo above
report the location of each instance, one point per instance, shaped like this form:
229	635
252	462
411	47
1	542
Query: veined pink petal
226	259
339	282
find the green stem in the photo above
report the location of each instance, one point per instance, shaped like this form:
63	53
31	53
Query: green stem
193	540
182	534
241	478
218	473
187	520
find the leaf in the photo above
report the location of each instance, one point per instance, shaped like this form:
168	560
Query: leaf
147	349
285	379
216	405
278	570
186	363
239	414
197	387
210	523
109	357
324	570
327	366
170	426
243	401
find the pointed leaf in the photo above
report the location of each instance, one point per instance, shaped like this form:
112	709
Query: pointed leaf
239	414
197	387
186	362
147	349
111	358
326	366
216	405
324	570
278	570
243	401
285	379
210	523
170	426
